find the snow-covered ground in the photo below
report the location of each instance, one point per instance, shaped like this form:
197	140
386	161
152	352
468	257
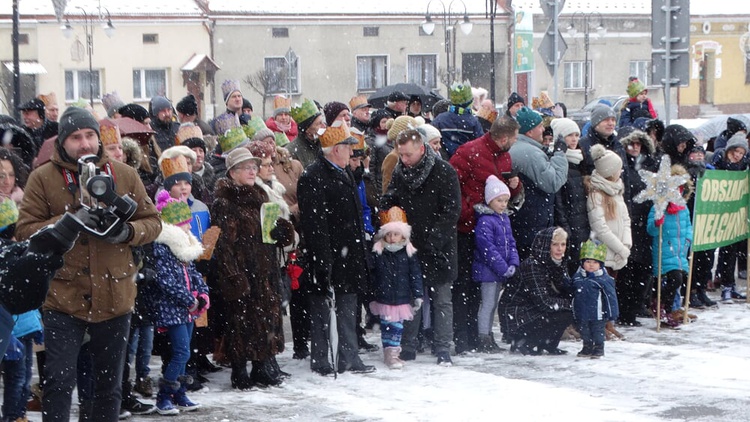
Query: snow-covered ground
698	373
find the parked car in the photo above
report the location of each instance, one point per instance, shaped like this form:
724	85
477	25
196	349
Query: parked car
583	115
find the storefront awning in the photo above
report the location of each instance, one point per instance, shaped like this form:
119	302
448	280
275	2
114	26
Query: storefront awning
27	67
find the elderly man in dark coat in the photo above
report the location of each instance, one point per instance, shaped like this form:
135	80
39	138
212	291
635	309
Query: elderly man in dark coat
333	231
427	189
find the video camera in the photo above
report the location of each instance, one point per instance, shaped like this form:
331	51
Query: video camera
107	212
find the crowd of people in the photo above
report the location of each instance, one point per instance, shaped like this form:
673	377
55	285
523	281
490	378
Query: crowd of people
428	220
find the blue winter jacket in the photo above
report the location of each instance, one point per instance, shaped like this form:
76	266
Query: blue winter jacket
6	328
595	296
397	277
495	250
171	295
457	129
677	236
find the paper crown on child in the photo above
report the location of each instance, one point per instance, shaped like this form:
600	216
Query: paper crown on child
595	250
393	214
460	93
8	213
635	87
188	131
173	211
109	132
176	163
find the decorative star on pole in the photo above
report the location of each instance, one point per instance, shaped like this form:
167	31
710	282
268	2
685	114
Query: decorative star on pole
661	187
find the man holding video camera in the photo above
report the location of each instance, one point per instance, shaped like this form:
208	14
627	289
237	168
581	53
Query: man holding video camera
94	291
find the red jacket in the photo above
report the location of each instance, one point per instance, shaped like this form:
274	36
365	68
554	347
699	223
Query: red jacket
291	133
474	161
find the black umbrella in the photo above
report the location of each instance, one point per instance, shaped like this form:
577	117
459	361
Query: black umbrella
428	96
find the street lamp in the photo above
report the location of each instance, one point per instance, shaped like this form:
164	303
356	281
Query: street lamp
586	18
428	26
88	27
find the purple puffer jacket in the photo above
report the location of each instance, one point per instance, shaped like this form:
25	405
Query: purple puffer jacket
495	249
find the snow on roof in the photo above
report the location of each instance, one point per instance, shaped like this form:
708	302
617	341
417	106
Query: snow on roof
115	7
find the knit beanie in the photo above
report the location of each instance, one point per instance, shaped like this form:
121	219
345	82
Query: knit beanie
159	103
429	132
599	113
635	87
172	210
174	165
493	188
606	162
195	143
515	98
562	127
263	134
188	105
400	124
332	110
134	111
595	250
528	119
738	140
74	119
246	104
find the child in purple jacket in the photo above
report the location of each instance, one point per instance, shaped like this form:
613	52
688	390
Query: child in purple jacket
495	256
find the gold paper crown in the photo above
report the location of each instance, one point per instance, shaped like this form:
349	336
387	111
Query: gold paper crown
109	133
334	135
358	102
48	99
173	165
282	103
394	214
359	136
187	131
487	114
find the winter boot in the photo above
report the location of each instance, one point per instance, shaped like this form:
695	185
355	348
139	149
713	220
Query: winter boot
705	299
667	320
487	345
137	407
164	404
494	344
597	351
365	347
144	386
205	366
180	399
240	379
611	333
726	295
390	357
737	295
262	374
277	370
696	302
588	349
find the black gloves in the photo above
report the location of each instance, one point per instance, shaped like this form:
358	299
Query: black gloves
147	275
91	220
25	277
201	302
120	236
561	146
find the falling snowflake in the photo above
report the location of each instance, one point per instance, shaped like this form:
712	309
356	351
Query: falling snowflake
661	187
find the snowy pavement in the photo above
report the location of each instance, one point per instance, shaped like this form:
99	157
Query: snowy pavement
697	373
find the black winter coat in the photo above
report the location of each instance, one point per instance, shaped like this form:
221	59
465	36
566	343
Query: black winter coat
164	132
397	278
432	205
332	228
570	209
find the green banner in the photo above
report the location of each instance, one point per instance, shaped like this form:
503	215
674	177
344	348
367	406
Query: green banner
720	215
524	39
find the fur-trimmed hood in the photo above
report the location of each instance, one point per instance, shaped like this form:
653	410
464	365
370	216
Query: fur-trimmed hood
642	137
680	170
394	226
184	245
133	152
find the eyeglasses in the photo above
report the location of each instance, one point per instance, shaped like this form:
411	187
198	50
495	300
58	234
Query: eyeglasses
267	166
253	168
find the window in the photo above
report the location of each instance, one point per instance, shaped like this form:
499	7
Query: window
283	77
422	70
280	32
372	72
78	84
575	76
371	31
151	38
148	83
23	39
640	68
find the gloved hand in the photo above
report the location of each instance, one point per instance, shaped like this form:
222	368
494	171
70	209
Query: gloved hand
281	232
203	303
24	285
91	220
659	222
560	146
120	236
147	275
417	305
194	308
511	270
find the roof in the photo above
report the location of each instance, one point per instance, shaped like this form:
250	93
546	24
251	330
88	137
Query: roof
200	62
115	7
32	67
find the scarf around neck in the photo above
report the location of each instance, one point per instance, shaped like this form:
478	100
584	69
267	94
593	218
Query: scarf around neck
574	156
416	176
608	187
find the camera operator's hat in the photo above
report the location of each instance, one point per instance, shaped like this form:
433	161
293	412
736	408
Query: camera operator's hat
338	133
109	132
175	164
73	119
172	210
8	213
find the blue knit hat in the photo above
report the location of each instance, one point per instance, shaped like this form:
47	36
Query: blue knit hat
528	119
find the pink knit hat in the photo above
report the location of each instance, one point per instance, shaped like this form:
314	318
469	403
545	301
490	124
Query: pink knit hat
493	188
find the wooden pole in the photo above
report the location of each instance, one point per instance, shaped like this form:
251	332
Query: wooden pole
658	285
685	319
